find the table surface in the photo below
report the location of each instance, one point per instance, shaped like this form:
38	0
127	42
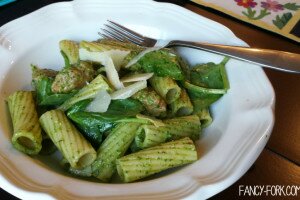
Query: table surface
279	162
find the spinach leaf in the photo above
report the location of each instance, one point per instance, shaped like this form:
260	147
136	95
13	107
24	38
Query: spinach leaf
45	97
93	125
125	107
202	97
208	83
103	121
161	63
79	106
210	75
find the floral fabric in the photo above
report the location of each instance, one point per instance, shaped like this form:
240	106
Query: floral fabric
280	12
269	14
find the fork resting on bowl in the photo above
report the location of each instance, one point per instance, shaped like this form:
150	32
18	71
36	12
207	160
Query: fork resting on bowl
279	60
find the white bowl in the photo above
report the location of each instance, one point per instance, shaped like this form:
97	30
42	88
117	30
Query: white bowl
243	118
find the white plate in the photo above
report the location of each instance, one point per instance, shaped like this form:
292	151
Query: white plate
243	118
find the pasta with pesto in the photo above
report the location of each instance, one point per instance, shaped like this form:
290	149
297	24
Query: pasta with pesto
175	128
74	147
113	147
166	87
204	117
182	106
87	92
27	135
156	159
153	103
70	51
116	109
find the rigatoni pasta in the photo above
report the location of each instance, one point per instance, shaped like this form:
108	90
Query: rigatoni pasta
74	147
140	108
182	106
70	50
87	92
149	135
85	172
156	159
27	135
204	117
153	103
166	87
114	146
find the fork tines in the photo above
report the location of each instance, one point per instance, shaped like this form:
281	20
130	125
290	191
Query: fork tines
116	31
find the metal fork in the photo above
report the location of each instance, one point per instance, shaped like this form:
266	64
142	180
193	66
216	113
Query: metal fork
279	60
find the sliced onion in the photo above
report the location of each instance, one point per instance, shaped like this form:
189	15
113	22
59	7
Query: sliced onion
140	55
136	77
100	102
154	121
105	60
129	90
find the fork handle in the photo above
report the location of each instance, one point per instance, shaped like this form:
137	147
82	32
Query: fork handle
279	60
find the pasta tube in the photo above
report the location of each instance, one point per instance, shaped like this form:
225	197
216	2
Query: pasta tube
87	92
85	172
176	128
182	106
123	45
113	147
205	117
156	159
70	50
103	46
27	135
74	147
73	78
166	87
152	102
134	49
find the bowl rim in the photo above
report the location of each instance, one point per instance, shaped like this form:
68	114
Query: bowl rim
10	175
